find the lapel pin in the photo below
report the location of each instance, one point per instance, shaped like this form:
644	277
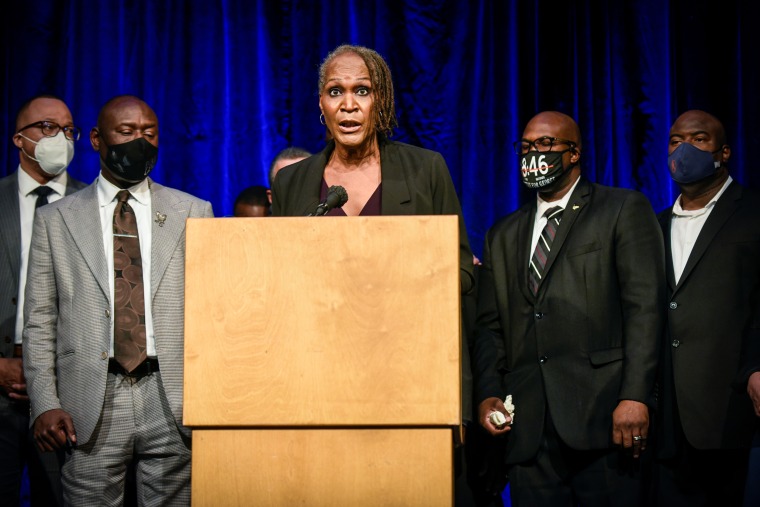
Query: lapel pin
160	218
575	207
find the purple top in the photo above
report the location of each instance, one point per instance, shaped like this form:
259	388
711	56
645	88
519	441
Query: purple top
371	208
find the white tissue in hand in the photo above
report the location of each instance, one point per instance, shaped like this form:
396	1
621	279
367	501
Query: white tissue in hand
510	407
498	419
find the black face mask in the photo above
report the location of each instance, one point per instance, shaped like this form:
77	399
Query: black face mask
542	170
131	161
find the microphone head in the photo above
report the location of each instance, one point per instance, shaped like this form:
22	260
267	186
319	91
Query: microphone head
336	196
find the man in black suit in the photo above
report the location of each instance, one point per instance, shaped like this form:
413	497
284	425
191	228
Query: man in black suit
45	136
710	360
570	329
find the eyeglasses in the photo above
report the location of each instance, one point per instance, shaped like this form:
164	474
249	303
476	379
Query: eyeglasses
51	129
545	143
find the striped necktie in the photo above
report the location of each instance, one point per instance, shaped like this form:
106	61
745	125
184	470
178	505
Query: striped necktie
543	247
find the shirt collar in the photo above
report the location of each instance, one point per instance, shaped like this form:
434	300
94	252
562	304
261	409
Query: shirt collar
678	210
107	191
27	184
542	205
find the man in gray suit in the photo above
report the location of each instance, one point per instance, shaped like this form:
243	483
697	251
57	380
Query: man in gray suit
104	320
45	136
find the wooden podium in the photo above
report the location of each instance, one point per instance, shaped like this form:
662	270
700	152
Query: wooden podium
322	360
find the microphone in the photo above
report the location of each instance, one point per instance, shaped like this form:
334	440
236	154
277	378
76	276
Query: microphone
336	198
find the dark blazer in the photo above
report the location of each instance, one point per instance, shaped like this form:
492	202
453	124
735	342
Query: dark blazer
10	256
590	337
416	181
713	340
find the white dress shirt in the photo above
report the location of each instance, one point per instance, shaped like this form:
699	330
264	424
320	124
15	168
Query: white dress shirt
140	202
540	220
685	227
27	201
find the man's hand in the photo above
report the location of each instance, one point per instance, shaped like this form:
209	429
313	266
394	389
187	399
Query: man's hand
753	389
484	411
630	425
53	430
12	378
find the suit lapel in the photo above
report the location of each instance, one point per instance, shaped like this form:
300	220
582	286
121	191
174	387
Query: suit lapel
168	215
665	219
524	253
311	184
578	200
725	207
10	224
82	218
395	187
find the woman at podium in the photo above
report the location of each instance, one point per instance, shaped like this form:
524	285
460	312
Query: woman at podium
379	176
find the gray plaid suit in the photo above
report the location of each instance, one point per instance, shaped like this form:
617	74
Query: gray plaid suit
67	329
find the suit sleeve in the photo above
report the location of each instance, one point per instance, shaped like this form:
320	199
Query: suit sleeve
488	354
278	196
640	264
208	211
751	345
40	320
446	202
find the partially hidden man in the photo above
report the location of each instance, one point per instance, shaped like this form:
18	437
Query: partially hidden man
45	137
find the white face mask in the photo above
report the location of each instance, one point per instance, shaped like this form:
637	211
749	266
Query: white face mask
54	154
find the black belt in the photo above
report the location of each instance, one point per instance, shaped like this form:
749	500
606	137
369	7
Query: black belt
150	365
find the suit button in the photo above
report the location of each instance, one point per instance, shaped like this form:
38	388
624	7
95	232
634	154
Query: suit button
13	300
108	314
104	355
675	343
673	305
543	359
539	315
7	339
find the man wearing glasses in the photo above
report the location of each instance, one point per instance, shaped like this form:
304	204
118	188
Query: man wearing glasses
45	136
569	322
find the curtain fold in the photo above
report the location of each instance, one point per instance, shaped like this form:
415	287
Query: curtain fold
234	81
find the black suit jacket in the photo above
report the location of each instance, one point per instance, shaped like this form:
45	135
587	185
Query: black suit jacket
714	328
590	337
10	256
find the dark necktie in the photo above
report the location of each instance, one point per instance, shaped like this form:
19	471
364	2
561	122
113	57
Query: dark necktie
42	193
129	296
543	247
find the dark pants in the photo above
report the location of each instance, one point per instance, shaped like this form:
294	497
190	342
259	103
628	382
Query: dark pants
560	476
17	450
700	478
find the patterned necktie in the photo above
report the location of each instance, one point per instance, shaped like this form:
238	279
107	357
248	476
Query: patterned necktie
42	193
129	296
543	247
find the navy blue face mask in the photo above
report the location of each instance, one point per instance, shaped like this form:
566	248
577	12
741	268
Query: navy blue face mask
689	164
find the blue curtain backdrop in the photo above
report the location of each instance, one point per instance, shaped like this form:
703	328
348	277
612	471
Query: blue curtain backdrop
234	81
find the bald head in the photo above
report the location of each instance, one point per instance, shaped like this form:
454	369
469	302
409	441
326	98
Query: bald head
700	128
553	124
117	105
44	108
